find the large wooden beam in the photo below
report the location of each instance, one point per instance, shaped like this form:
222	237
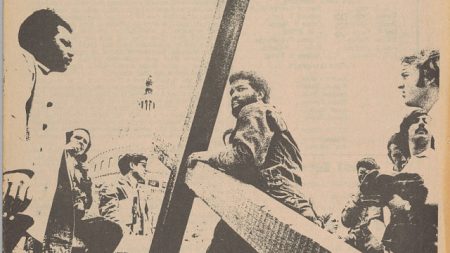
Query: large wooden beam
266	224
199	125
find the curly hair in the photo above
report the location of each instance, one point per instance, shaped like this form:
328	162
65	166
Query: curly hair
39	29
368	163
258	83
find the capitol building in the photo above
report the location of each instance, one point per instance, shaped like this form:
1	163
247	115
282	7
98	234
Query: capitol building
104	170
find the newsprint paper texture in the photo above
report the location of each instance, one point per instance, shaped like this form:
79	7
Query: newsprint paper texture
226	126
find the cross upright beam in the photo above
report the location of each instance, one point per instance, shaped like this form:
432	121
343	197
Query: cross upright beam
199	125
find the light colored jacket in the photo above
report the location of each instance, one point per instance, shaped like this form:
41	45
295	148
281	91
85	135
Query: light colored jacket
125	204
28	144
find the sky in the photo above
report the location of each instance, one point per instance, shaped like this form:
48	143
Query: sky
117	45
334	71
332	65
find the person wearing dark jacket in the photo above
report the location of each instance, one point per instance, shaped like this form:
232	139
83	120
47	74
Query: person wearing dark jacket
363	215
261	152
66	230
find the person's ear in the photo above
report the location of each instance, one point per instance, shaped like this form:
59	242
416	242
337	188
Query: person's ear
132	165
430	82
260	95
68	135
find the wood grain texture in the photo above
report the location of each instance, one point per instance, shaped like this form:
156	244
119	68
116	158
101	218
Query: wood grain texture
266	224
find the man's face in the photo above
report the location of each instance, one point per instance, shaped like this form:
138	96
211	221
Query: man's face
362	172
242	94
79	142
418	132
139	168
59	54
412	94
397	157
332	225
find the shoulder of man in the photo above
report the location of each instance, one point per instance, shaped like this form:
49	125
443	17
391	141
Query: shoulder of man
20	75
273	116
124	188
19	79
107	190
29	59
28	65
256	109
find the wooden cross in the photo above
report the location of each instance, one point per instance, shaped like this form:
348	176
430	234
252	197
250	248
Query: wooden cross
200	121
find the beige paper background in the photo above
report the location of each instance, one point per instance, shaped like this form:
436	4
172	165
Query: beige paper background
333	67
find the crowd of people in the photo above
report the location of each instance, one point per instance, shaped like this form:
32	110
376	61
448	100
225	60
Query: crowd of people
259	150
411	190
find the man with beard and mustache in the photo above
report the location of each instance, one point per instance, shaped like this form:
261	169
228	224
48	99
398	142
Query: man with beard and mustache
413	194
261	152
420	85
420	141
423	160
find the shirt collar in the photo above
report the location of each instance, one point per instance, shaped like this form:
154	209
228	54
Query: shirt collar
131	180
43	68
